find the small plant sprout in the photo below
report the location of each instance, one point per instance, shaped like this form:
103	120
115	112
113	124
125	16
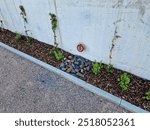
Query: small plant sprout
147	95
57	54
109	68
54	27
18	36
124	81
96	67
29	39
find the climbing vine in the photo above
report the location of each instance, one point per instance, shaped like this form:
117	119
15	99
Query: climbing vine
1	24
54	51
54	27
24	16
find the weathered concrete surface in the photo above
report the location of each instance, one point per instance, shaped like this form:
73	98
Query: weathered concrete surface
26	87
113	31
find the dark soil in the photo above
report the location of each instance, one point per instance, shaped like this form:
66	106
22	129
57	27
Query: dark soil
104	80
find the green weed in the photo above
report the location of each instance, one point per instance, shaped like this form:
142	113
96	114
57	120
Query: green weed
96	67
18	36
147	95
124	81
57	54
29	39
109	68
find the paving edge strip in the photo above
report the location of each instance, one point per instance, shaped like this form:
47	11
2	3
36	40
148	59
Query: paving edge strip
79	82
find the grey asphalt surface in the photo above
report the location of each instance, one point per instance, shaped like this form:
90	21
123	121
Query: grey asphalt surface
27	87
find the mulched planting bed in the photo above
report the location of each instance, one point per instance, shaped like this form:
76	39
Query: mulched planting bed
81	68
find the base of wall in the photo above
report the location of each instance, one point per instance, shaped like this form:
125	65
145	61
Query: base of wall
79	82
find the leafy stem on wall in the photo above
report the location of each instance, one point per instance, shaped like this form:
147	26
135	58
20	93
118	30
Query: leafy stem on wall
54	27
1	24
24	16
58	54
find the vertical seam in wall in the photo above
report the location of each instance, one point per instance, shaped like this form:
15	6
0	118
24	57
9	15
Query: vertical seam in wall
49	3
55	5
5	25
20	2
55	10
1	18
80	24
17	11
27	25
10	15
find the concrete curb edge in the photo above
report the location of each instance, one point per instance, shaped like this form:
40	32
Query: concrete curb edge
78	81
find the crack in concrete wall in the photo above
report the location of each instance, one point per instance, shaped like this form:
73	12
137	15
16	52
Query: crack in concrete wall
115	37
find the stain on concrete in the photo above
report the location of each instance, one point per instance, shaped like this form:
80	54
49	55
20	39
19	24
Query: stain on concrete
118	4
141	7
142	10
138	4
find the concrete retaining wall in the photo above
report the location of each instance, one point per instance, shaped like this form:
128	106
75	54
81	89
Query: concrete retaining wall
113	31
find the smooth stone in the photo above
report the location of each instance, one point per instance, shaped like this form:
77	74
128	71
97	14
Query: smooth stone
77	67
81	66
69	70
80	75
68	61
86	64
82	71
75	57
73	65
64	69
76	70
72	61
79	60
62	65
70	57
74	75
70	65
80	63
76	63
88	68
64	59
84	68
73	71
